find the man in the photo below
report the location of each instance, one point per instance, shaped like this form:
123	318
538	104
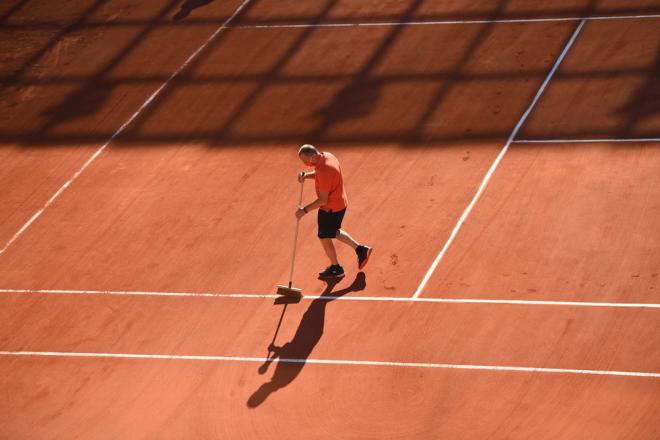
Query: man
331	202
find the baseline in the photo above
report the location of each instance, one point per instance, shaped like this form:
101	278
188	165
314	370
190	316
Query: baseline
338	362
341	298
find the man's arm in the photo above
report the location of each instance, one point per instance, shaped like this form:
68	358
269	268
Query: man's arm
322	200
306	175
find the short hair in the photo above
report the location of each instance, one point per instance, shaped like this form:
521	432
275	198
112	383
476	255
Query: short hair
308	150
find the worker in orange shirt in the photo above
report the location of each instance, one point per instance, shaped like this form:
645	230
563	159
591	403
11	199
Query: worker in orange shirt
331	202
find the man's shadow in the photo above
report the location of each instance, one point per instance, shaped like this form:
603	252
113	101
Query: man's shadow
293	354
188	6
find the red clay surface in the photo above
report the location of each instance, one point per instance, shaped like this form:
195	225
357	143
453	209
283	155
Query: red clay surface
181	192
218	399
191	219
64	91
562	222
606	88
67	90
28	178
516	335
318	84
199	193
125	398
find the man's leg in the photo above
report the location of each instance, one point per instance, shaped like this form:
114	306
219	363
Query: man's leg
329	224
363	252
345	238
329	249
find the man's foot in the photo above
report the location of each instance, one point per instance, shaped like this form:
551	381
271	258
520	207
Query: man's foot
363	254
332	272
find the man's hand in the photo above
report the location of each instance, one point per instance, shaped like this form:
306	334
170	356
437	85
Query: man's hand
301	176
300	212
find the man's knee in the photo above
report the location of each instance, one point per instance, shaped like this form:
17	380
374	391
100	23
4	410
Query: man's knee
329	237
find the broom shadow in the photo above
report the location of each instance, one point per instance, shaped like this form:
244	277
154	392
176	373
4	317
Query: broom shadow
293	354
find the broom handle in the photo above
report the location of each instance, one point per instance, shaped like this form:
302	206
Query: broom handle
295	236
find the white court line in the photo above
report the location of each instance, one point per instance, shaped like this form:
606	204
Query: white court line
582	141
333	362
122	128
497	161
446	22
343	298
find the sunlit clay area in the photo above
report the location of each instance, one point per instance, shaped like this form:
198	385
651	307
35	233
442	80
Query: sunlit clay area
330	219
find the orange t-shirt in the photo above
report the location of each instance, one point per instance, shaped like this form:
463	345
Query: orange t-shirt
328	179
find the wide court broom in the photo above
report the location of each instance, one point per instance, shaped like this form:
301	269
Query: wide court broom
289	290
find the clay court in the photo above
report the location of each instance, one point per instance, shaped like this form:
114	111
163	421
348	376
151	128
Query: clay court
501	156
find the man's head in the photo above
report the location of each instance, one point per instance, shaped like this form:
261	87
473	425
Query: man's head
309	155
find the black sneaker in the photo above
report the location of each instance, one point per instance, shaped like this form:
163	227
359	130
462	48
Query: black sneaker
332	272
363	254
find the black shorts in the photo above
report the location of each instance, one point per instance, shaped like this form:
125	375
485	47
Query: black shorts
330	223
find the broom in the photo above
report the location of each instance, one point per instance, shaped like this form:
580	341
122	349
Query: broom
289	290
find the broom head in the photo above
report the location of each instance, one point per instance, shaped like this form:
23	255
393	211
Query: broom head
288	291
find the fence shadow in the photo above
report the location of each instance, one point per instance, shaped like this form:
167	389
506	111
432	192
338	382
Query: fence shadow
275	99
